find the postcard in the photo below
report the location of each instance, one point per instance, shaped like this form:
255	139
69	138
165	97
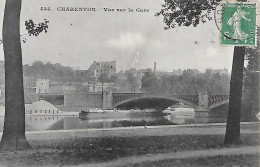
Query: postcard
129	83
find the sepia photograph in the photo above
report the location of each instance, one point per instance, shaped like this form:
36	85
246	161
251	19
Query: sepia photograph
129	83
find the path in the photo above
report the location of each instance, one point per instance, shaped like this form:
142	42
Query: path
175	155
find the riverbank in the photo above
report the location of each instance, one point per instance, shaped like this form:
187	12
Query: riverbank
95	146
139	131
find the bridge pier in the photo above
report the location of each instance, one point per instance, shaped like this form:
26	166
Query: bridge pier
203	99
203	105
200	113
107	100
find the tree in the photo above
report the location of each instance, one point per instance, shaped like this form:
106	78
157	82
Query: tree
190	12
14	126
13	137
113	78
133	81
150	82
54	72
186	12
103	77
232	135
191	82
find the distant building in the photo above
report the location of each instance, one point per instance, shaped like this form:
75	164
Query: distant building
41	107
42	86
217	71
28	82
97	87
67	89
98	68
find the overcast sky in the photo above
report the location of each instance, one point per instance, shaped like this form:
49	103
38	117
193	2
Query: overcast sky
133	39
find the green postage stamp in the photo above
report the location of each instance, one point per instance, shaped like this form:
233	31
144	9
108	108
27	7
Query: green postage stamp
238	24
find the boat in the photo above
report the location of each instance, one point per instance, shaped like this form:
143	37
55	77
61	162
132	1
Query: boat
180	112
149	110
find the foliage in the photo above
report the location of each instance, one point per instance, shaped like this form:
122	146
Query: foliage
191	83
187	12
35	29
150	83
131	78
103	77
54	72
113	78
251	80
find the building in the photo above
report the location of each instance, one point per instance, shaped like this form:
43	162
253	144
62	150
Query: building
41	107
98	87
98	68
42	86
28	82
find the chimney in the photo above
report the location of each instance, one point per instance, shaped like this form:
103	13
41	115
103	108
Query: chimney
154	67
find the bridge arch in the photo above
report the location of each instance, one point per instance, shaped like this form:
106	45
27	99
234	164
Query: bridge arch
173	99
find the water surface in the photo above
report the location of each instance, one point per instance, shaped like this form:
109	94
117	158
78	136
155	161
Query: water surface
106	120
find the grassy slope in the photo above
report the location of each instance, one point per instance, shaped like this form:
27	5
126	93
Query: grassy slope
87	150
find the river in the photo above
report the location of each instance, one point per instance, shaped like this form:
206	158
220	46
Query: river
105	120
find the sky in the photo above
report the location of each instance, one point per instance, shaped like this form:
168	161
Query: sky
133	39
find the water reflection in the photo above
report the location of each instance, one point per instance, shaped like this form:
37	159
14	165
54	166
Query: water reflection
40	122
106	120
36	122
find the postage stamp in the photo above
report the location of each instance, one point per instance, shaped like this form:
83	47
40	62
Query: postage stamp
238	24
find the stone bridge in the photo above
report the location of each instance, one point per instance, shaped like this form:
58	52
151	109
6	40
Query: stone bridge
202	101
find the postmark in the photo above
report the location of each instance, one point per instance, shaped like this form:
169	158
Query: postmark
238	24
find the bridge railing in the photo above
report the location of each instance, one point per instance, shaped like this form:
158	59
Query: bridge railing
118	97
194	99
217	98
